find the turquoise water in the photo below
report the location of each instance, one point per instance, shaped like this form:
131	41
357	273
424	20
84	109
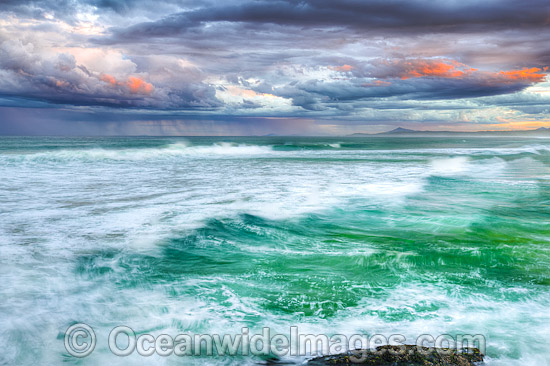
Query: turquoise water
334	235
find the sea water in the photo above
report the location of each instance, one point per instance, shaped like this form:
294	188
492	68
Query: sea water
371	235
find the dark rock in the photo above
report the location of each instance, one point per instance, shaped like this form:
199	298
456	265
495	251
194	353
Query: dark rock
405	355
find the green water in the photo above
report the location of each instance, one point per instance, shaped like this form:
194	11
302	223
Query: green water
334	235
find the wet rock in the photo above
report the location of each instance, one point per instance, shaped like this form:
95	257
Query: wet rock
405	355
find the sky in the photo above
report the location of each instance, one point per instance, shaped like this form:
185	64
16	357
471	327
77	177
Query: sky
243	67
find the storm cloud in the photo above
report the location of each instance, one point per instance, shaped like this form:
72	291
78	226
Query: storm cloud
375	63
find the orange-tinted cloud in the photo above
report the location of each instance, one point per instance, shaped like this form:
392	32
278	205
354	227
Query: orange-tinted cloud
434	68
417	68
137	85
531	75
108	79
133	84
345	68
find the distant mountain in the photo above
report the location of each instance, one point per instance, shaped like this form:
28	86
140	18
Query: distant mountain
542	131
401	130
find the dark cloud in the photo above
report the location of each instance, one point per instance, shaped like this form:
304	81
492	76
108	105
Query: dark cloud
371	61
388	16
30	72
403	79
68	10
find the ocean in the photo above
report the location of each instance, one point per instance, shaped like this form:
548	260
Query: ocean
333	235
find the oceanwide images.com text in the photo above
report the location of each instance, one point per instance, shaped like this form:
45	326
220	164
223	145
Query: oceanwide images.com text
81	340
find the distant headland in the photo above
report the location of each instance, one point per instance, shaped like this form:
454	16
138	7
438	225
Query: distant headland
400	131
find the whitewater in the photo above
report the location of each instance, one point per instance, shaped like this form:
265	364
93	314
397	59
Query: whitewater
335	235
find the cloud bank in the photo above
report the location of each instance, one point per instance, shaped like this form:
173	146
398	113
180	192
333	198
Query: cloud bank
336	66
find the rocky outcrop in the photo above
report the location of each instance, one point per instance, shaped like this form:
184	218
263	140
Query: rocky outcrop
405	355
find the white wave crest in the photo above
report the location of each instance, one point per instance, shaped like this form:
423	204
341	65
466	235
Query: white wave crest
180	149
450	166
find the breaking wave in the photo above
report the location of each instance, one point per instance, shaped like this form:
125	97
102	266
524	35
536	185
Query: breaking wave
180	149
